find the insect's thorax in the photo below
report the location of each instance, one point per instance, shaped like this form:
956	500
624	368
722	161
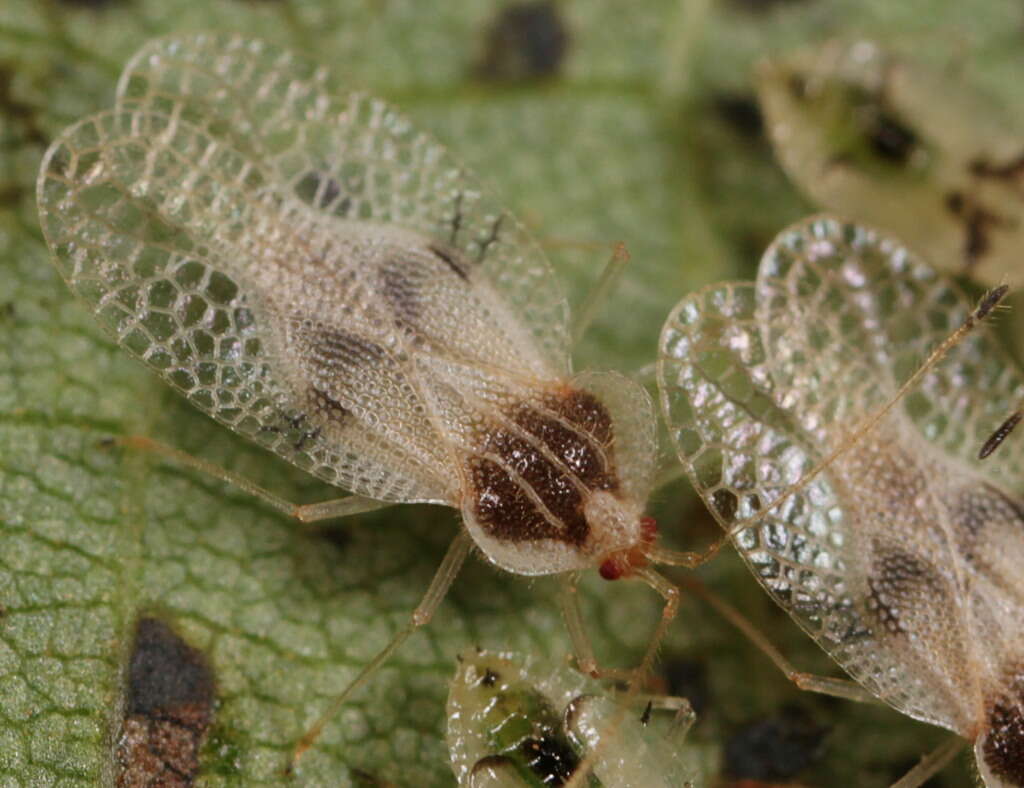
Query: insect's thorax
940	549
542	490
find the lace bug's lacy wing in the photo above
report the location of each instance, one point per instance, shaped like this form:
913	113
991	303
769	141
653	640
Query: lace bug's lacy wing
352	156
901	557
307	269
894	143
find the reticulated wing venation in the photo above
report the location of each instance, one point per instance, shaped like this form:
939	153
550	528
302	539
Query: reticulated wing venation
355	157
148	219
750	459
873	553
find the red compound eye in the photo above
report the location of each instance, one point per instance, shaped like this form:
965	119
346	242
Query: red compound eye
612	568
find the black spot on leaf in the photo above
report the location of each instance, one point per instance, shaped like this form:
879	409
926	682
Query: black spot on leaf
168	710
524	41
776	748
762	6
741	112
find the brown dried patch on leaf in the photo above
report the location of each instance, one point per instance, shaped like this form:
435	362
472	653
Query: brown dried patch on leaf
168	710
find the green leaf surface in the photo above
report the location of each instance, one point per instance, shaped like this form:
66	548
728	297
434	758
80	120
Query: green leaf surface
630	142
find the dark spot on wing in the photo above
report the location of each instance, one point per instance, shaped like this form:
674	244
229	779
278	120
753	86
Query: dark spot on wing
1002	746
168	710
490	678
900	587
403	278
323	192
329	357
328	408
726	504
776	748
524	41
577	430
975	508
741	112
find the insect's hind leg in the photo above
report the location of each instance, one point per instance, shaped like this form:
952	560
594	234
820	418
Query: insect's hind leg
306	513
436	592
931	764
824	685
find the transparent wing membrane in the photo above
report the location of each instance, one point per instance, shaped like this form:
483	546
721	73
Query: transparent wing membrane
294	262
897	556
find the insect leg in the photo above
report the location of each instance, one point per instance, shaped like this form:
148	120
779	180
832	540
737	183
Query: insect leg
825	685
682	720
931	764
568	600
598	294
436	592
307	513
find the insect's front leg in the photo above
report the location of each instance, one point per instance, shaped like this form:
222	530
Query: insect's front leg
583	650
421	616
599	292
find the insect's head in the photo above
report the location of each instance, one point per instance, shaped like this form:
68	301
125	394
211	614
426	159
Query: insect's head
622	563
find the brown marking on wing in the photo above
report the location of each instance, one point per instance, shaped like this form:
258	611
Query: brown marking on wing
901	584
577	436
1003	746
402	279
330	355
327	407
976	509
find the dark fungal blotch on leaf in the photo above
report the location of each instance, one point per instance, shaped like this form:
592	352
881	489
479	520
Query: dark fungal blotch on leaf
169	701
523	41
776	748
762	6
740	112
94	5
